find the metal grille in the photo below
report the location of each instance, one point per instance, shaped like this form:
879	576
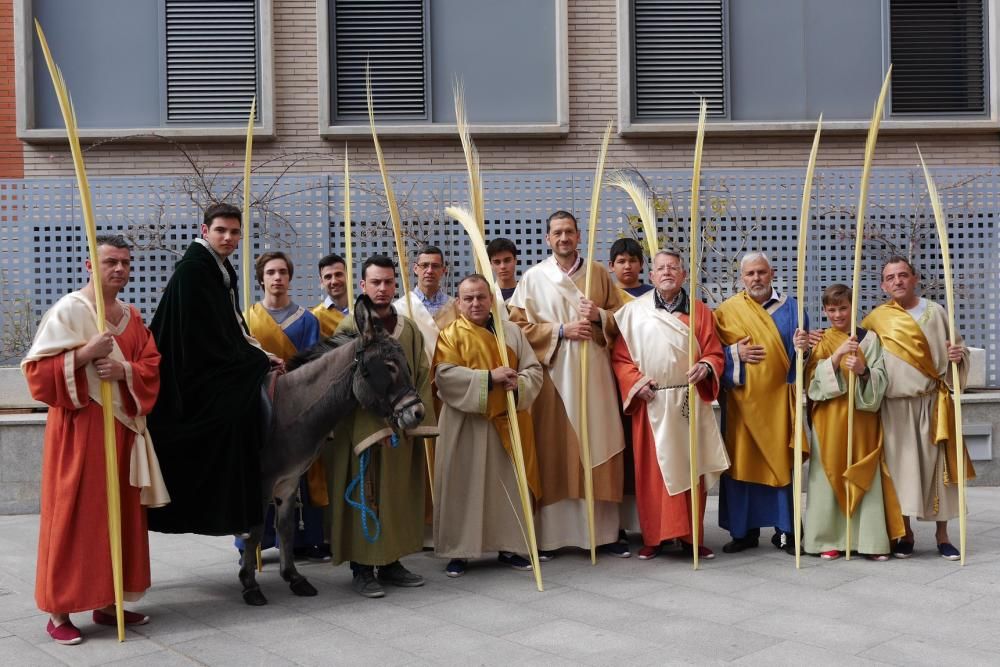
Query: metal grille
938	52
389	34
43	248
211	60
679	56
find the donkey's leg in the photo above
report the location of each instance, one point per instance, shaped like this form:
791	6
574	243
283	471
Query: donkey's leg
284	500
248	576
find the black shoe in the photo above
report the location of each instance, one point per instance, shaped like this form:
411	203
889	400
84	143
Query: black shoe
738	544
365	583
903	549
784	541
397	575
619	549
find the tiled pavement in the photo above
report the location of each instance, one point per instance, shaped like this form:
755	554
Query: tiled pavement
749	608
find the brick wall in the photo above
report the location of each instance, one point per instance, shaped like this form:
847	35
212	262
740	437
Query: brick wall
11	152
593	95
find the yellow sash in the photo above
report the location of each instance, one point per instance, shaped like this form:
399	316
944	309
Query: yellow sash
328	318
829	423
273	339
467	344
759	414
902	336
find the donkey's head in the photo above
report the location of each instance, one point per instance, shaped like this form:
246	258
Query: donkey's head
382	381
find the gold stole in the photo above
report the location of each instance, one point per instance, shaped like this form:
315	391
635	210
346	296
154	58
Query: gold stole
829	423
273	339
759	414
328	318
902	336
472	346
626	297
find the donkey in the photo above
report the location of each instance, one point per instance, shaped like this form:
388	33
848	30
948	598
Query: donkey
322	386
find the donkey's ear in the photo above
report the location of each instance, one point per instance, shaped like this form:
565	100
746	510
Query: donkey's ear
365	318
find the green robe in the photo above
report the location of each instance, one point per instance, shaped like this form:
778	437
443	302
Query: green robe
206	424
825	523
396	476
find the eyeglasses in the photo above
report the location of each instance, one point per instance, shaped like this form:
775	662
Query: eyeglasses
423	266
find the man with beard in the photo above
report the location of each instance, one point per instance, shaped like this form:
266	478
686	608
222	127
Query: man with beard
757	327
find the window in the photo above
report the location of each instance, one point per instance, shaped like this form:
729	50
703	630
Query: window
778	64
184	68
511	57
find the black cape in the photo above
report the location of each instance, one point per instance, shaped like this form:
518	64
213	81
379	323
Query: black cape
206	423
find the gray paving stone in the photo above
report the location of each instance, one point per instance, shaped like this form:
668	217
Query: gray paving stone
582	643
910	650
486	614
834	634
796	654
710	606
698	639
162	658
16	651
220	649
376	620
454	645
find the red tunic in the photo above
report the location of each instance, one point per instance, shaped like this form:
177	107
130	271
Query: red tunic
662	516
74	565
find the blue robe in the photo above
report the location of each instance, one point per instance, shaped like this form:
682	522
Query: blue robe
746	507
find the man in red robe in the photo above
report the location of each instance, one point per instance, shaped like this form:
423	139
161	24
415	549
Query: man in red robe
64	368
650	360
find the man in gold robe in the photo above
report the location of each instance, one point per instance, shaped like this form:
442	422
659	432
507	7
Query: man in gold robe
284	328
918	419
333	280
756	328
874	510
474	480
557	317
395	472
432	308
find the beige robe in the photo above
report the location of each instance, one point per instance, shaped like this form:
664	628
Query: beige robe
544	298
916	463
430	326
478	509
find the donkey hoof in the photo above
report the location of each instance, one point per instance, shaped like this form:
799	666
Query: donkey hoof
254	598
303	588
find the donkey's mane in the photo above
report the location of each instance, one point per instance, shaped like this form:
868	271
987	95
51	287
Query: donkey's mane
318	350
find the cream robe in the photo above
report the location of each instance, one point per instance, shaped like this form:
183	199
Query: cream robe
546	295
430	326
915	462
658	343
478	508
71	323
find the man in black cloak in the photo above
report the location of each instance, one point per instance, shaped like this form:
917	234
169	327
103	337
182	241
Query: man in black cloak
206	425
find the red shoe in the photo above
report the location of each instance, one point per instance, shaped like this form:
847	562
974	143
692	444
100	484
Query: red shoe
649	553
833	554
703	551
131	618
67	633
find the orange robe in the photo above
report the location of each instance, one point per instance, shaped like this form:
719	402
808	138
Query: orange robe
73	572
661	515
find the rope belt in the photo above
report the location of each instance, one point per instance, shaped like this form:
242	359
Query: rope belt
684	406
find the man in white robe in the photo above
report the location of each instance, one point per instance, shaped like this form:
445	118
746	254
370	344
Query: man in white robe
557	317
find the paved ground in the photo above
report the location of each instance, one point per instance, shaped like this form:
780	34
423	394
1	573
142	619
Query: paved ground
750	608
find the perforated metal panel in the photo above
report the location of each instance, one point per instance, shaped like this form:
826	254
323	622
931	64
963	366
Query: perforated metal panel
44	250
